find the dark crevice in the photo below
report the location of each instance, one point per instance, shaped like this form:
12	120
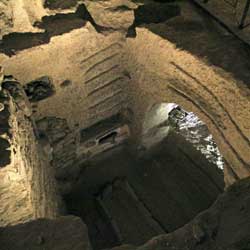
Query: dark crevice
53	26
60	4
4	124
108	138
5	153
39	89
121	8
165	1
152	13
66	83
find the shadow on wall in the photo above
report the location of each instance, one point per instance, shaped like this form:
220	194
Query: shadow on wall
60	4
196	32
152	13
53	27
5	153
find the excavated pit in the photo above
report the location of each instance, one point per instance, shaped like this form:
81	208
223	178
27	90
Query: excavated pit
131	194
86	128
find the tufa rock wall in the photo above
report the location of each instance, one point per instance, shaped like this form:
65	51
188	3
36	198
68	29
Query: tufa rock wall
28	187
169	74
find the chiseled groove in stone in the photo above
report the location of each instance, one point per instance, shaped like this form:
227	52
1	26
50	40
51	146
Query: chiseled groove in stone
101	62
106	84
216	100
196	96
108	112
111	46
108	98
101	74
179	92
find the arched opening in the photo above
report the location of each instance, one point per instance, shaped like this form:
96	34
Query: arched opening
163	118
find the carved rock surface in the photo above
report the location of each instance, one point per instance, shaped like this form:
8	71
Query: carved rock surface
27	187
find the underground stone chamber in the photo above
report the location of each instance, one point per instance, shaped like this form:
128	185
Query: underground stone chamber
131	192
123	124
